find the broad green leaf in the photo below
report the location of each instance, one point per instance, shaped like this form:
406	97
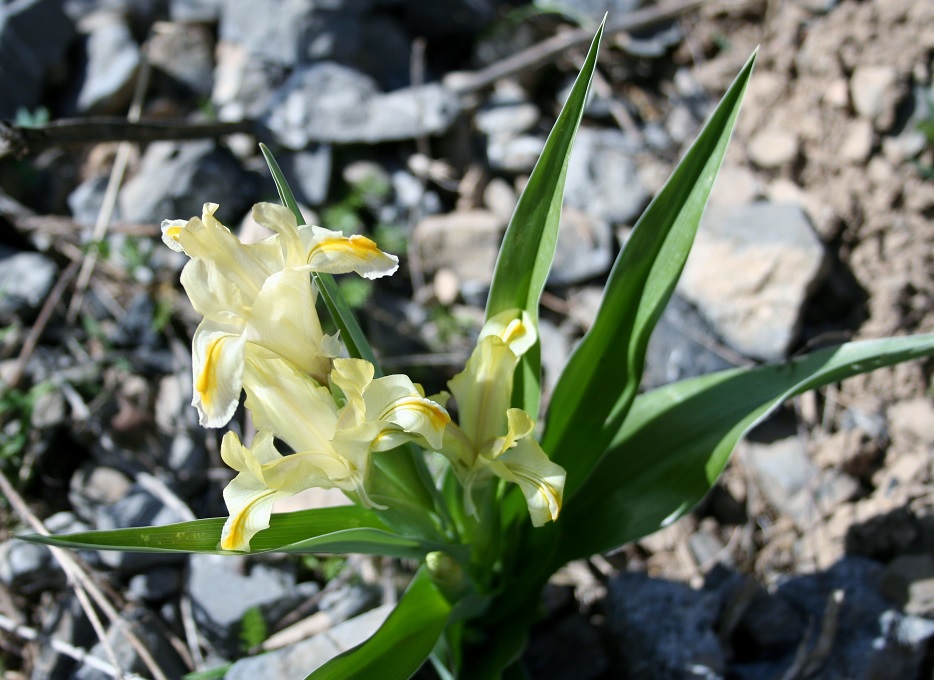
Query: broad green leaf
402	643
529	244
351	333
326	530
678	438
602	377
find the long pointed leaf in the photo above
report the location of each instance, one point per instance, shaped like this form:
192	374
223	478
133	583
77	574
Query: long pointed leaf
528	247
402	643
326	530
678	438
602	377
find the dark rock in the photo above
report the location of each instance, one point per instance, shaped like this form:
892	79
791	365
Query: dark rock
28	568
668	628
572	648
175	179
25	281
348	601
136	328
184	54
205	11
155	584
86	199
34	37
909	581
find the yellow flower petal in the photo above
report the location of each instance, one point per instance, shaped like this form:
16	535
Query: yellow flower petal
217	368
333	253
540	480
514	327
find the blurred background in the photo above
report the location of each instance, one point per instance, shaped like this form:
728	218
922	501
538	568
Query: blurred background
418	123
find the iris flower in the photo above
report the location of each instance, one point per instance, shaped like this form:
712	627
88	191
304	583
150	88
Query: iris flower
332	441
492	439
260	297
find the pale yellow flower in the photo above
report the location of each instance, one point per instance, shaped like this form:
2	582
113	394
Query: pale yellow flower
260	296
333	442
492	439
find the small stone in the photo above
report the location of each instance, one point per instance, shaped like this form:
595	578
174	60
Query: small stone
155	584
909	144
184	53
28	567
913	421
500	198
506	118
508	153
837	94
735	186
584	304
857	144
48	410
782	469
773	148
309	173
25	281
446	286
874	91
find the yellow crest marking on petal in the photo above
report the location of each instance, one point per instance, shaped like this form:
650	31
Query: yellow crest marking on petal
356	245
207	379
233	537
437	416
173	232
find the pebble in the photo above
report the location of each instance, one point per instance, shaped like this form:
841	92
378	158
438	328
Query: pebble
184	53
782	469
774	260
500	198
913	420
584	249
25	281
858	141
772	149
28	568
874	92
735	185
908	580
506	118
514	154
309	172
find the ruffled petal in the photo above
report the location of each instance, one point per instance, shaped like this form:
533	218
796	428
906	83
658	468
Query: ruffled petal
281	220
395	399
331	252
514	327
171	231
540	480
217	368
212	294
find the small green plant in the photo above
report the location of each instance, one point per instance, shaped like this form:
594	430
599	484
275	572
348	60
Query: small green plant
508	506
253	629
16	408
27	118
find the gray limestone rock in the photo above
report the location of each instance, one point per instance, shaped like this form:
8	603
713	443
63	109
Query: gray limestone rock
175	179
750	273
113	58
464	242
25	281
330	103
584	251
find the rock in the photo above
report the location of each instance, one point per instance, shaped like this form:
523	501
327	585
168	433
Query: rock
782	469
25	282
556	348
330	103
138	508
184	53
602	178
858	142
668	628
176	179
508	153
113	59
212	579
195	11
913	421
35	35
48	411
681	347
28	568
155	584
142	623
735	186
86	199
273	32
464	242
571	648
445	287
348	601
500	198
909	582
309	173
242	85
509	117
872	640
773	148
592	9
768	260
95	485
301	658
819	6
875	92
584	249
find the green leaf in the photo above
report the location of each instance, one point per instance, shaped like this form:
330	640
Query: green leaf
351	333
596	388
529	244
324	530
678	438
402	643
